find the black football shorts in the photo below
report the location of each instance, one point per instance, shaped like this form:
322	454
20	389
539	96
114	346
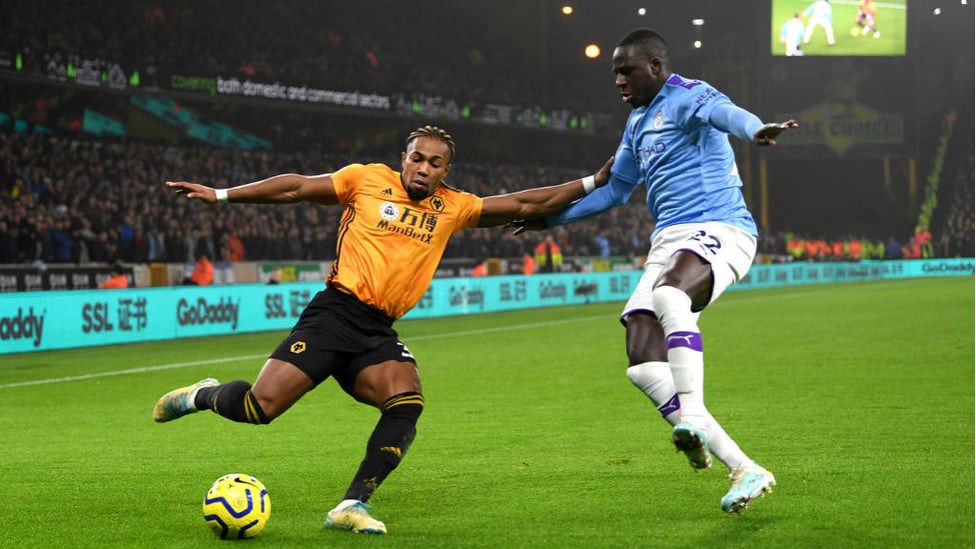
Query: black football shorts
337	335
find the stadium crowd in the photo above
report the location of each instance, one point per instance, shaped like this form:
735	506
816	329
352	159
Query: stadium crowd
71	200
75	200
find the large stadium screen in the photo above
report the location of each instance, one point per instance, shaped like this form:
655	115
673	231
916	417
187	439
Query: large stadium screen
838	27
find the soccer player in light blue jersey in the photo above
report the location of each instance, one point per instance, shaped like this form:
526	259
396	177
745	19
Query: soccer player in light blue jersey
676	144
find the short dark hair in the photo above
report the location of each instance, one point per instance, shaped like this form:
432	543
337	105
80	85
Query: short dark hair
436	133
648	41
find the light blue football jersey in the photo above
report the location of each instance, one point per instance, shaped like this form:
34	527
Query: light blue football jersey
685	161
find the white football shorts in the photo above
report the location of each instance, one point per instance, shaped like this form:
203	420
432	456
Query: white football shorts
728	249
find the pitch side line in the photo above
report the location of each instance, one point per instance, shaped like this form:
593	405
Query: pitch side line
126	372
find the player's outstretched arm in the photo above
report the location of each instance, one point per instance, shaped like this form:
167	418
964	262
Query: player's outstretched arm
280	189
767	134
539	202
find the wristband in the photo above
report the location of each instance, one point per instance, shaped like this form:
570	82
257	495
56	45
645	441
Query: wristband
589	184
221	195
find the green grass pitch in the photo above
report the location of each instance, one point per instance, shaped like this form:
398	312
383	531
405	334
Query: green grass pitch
859	397
891	23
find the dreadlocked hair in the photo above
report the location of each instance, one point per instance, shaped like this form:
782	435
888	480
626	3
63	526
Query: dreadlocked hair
436	133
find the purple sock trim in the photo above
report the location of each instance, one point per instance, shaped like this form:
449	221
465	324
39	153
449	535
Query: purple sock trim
671	406
691	340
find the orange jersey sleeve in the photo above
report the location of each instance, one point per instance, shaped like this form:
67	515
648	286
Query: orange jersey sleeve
389	245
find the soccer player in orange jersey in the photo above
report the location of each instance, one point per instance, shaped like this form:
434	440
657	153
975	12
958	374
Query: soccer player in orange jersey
392	235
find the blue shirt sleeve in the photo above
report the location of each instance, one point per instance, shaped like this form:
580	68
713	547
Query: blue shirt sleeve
614	193
624	177
735	120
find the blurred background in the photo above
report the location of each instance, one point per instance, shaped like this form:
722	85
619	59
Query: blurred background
102	101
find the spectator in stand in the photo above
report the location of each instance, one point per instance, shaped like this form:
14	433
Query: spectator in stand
138	250
854	249
892	249
118	280
548	255
507	245
8	242
202	274
602	244
127	231
795	247
528	264
293	244
206	244
63	245
872	249
922	242
837	250
155	239
232	249
175	242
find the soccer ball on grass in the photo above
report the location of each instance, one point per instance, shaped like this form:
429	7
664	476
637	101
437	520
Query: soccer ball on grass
237	506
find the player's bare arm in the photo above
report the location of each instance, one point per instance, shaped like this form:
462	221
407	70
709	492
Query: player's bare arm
767	134
539	202
280	189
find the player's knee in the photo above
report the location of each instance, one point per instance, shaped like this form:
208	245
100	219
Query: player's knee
236	402
269	408
404	406
674	309
668	301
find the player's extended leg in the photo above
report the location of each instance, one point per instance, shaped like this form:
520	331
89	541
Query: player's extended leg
394	388
279	385
651	373
685	287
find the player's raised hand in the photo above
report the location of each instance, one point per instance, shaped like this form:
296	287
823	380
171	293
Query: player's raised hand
766	135
196	191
